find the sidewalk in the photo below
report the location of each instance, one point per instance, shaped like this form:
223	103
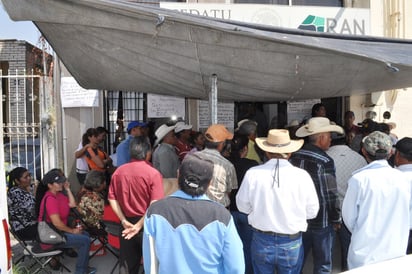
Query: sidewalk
104	264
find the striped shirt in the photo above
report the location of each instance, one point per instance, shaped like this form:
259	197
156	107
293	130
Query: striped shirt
321	168
224	177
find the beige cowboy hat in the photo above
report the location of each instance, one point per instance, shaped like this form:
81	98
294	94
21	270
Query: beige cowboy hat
278	141
318	125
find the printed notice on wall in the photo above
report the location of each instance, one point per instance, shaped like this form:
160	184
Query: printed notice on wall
301	110
73	95
225	114
161	106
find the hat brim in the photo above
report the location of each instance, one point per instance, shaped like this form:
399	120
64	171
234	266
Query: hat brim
304	131
160	135
293	146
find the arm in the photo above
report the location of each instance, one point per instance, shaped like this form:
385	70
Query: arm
350	205
128	233
242	197
72	201
232	253
80	152
57	221
118	211
149	252
312	201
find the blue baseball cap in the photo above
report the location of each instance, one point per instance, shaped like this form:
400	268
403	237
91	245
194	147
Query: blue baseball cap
134	124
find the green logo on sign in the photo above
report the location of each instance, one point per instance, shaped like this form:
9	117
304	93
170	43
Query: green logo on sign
313	23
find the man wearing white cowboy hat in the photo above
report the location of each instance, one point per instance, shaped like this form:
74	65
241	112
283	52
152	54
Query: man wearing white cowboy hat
165	159
313	158
278	199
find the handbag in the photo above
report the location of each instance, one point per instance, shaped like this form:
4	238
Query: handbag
48	234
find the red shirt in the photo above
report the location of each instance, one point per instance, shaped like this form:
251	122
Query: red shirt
134	185
182	149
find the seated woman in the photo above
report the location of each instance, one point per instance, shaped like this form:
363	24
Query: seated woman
57	205
21	204
91	200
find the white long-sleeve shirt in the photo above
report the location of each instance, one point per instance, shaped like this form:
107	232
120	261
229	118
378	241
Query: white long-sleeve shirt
282	208
376	211
407	170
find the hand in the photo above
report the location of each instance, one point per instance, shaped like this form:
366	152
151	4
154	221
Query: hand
130	232
77	230
66	185
336	227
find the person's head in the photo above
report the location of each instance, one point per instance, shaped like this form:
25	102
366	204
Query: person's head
383	127
318	130
19	177
182	131
216	135
101	134
376	146
198	140
136	128
368	126
278	144
165	134
140	148
318	110
248	128
239	146
349	118
195	174
86	138
95	181
403	154
54	179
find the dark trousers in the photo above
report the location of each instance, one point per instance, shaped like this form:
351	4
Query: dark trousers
320	242
131	251
344	238
409	249
81	177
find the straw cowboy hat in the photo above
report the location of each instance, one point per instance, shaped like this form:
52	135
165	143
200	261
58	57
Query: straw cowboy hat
278	141
162	131
318	125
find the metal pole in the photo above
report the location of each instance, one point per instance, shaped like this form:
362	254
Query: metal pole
213	99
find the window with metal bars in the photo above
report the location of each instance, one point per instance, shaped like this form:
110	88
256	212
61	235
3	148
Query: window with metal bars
122	107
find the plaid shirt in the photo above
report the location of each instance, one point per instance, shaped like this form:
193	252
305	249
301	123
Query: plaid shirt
224	177
322	170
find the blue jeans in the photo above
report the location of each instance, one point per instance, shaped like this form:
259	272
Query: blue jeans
245	232
81	242
276	253
320	241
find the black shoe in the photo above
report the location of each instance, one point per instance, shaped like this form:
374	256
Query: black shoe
54	263
70	252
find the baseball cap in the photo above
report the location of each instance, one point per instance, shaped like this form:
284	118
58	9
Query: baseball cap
218	133
54	176
195	171
377	142
404	145
134	124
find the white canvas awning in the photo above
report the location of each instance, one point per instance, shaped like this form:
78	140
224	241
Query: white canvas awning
118	45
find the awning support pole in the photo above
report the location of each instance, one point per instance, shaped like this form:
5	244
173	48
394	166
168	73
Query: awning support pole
213	99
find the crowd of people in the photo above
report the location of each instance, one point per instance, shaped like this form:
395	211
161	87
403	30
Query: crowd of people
244	203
